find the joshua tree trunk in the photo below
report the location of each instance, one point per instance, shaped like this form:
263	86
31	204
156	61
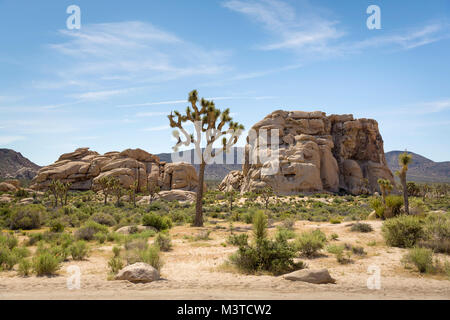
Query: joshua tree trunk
405	193
106	198
199	203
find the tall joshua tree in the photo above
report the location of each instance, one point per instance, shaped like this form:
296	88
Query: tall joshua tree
209	122
404	160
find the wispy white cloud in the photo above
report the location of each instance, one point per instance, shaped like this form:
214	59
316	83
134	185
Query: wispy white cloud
5	140
100	95
108	53
158	128
150	114
311	31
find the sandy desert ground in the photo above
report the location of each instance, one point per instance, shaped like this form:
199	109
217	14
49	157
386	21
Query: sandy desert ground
195	270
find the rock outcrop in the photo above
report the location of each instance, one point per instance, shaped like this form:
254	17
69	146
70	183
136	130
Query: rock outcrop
313	152
84	168
321	276
138	273
232	181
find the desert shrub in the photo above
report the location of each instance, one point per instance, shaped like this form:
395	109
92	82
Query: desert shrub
45	264
115	264
104	218
339	251
89	229
156	221
238	239
361	227
152	257
393	205
21	193
25	267
7	258
334	236
163	241
57	226
285	233
335	220
288	223
8	240
27	217
421	258
308	243
132	244
437	233
402	231
377	205
358	251
21	252
79	250
274	256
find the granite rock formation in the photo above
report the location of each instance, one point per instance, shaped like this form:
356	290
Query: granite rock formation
84	168
316	152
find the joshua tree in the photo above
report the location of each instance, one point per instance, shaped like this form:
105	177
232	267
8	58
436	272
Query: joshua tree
404	160
54	188
231	196
116	189
132	190
204	118
265	194
64	188
153	191
105	186
385	187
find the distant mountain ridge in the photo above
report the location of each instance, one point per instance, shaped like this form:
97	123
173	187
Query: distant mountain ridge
14	165
421	169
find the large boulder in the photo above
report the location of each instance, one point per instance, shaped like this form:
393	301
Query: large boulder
297	151
138	273
321	276
7	187
84	168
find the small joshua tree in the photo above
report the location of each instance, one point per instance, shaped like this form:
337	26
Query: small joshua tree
385	187
116	189
231	196
265	194
132	190
404	160
153	191
105	186
209	122
54	189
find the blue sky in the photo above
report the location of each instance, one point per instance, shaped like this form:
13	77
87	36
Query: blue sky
110	84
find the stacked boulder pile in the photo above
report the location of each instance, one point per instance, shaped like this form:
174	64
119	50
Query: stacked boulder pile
84	168
314	152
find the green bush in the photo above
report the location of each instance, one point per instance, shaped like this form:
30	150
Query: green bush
238	239
421	258
27	217
163	241
45	264
156	221
104	218
152	257
437	233
361	227
393	205
57	226
285	233
377	205
402	231
89	229
308	243
100	237
115	264
8	240
25	267
7	258
274	256
79	250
